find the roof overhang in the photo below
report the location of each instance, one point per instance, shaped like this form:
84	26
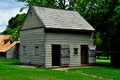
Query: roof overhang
68	30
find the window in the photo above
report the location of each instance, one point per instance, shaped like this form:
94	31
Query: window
36	50
75	51
24	49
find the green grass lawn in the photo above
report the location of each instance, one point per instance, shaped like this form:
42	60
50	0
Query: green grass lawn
103	60
103	69
104	72
10	70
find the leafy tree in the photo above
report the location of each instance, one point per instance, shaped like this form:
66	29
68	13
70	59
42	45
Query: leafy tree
42	3
14	26
59	4
103	15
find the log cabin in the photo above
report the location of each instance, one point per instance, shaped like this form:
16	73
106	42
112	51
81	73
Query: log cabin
55	37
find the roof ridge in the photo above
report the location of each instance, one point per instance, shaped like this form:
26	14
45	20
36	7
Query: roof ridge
54	8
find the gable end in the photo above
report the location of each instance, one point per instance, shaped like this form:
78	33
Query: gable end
32	21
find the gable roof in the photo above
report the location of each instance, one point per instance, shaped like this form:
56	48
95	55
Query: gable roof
61	19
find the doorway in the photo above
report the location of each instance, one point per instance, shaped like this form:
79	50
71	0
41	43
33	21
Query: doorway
55	55
84	54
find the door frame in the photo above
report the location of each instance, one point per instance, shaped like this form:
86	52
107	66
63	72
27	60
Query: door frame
54	58
62	49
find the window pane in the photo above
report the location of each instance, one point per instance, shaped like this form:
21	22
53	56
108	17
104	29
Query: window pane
75	50
24	49
36	50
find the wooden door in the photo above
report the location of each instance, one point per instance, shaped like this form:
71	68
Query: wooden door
84	54
65	55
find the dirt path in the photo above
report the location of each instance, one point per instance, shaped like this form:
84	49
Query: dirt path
67	68
86	74
100	77
27	66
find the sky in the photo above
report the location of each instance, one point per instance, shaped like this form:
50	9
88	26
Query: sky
9	9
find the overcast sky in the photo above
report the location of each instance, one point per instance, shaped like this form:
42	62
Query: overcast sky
8	9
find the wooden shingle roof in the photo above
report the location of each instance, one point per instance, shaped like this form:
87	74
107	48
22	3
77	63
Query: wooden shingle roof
61	19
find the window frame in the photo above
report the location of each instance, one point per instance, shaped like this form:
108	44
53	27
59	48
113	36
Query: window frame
75	51
36	50
24	50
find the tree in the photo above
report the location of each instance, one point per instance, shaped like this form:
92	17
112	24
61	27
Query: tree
103	15
14	26
42	3
59	4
